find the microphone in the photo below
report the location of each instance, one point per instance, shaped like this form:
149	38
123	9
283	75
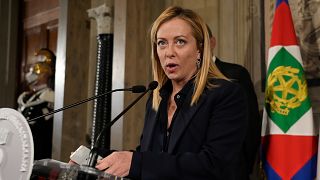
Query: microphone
93	153
134	89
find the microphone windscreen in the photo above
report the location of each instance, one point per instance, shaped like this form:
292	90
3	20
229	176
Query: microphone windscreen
138	89
153	85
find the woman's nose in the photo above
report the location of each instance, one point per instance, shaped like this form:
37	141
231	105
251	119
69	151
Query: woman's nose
170	51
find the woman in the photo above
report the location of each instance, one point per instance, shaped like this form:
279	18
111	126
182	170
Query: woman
195	120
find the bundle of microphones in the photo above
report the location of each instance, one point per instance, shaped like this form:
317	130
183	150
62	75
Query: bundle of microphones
134	89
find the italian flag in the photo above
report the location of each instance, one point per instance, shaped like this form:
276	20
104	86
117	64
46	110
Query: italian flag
289	134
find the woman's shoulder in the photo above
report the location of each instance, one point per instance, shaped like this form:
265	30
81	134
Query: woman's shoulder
223	86
219	82
223	93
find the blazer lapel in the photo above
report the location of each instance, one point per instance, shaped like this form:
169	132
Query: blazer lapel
183	119
148	130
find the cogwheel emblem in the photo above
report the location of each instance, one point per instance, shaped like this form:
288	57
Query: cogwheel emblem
285	90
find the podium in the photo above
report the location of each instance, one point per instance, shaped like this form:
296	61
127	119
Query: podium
17	154
49	169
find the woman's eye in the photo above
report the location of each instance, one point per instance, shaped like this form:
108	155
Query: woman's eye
180	42
161	43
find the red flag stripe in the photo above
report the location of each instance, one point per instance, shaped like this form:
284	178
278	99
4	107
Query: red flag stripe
287	154
283	32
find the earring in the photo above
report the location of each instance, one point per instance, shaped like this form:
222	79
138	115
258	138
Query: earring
198	63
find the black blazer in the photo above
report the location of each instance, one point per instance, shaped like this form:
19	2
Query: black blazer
205	141
251	145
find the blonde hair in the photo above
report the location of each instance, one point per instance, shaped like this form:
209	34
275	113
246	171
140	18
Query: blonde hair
207	70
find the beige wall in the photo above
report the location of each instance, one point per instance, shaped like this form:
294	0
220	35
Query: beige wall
71	82
140	15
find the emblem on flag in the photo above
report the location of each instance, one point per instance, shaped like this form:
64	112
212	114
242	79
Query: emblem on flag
286	91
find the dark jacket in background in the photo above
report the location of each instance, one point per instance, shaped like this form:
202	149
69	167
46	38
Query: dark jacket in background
251	145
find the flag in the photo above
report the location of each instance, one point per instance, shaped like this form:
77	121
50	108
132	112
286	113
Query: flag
289	134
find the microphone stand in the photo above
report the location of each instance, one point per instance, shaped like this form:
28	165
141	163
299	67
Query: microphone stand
93	152
134	89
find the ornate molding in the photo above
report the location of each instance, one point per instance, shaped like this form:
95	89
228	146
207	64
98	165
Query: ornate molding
41	18
102	14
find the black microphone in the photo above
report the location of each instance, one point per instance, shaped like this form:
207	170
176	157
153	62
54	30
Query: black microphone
93	153
134	89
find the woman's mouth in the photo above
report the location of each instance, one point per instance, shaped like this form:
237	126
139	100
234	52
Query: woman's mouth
171	67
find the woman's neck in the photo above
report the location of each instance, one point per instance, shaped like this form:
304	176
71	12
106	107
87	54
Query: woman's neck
176	87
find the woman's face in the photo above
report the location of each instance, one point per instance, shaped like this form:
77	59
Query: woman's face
177	50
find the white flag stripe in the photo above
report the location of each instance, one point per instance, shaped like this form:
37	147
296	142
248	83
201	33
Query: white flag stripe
294	50
272	52
304	126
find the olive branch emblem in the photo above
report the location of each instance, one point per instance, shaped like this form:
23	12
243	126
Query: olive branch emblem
285	89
